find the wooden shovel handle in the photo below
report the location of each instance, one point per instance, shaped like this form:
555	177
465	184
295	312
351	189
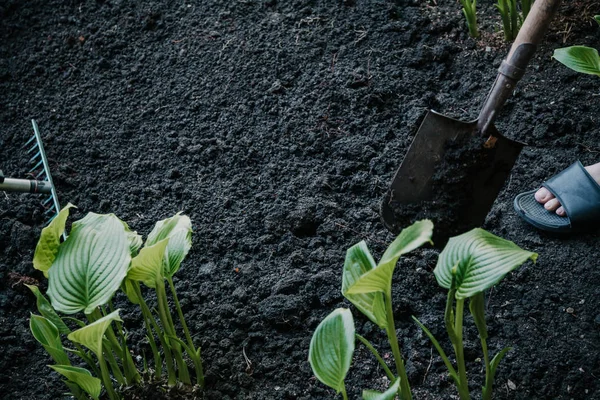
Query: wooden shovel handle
535	25
512	69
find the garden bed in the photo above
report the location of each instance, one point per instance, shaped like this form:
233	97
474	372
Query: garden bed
277	126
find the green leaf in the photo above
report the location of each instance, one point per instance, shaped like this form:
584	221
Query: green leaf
90	264
376	280
477	308
597	18
389	394
82	377
128	289
477	260
47	334
91	335
148	265
579	58
135	241
44	307
358	262
487	388
178	229
409	239
47	246
332	347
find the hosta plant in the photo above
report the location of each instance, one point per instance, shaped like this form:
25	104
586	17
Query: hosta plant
100	256
469	264
368	286
470	12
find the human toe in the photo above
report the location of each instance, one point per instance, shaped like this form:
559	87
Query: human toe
552	204
543	195
561	211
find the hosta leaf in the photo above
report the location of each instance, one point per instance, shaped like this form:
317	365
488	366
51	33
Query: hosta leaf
82	377
148	265
597	18
91	335
127	287
47	246
409	239
358	262
579	58
376	280
332	347
389	394
46	333
477	260
477	308
179	231
90	264
44	307
135	241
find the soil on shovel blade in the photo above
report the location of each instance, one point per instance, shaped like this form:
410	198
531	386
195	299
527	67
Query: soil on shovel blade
277	126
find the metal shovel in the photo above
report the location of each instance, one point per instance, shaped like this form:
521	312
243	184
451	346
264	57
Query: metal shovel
422	176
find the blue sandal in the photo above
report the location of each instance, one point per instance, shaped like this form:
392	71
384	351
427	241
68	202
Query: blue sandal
578	193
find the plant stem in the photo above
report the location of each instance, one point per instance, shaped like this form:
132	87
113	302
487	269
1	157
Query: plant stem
405	393
180	313
487	390
106	379
344	394
167	322
369	346
171	379
195	356
463	388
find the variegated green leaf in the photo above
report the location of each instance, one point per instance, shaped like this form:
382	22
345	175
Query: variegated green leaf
376	280
47	334
45	308
389	394
178	229
358	262
82	377
135	241
47	246
147	266
477	260
332	347
90	264
91	335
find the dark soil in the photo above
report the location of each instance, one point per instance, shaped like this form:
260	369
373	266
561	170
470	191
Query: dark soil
277	126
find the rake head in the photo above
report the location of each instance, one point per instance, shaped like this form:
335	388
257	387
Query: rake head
40	171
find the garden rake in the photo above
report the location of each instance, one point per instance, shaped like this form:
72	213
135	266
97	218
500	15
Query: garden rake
42	180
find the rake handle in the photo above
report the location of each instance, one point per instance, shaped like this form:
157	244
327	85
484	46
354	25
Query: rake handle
513	68
25	185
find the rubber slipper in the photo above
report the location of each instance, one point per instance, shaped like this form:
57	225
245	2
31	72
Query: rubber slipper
578	193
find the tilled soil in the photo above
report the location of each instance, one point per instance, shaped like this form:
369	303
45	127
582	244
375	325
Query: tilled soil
277	126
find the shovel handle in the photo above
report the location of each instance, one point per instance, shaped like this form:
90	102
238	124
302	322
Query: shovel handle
512	69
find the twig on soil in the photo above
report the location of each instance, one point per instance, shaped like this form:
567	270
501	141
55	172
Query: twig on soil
428	367
587	148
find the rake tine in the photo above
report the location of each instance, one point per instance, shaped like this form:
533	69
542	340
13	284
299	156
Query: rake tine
36	166
35	147
29	141
37	177
46	201
39	153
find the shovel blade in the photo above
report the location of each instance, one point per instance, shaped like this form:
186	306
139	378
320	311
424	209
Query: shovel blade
450	173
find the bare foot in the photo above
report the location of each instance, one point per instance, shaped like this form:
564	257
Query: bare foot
551	203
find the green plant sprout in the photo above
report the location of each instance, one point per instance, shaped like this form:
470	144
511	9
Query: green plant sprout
470	12
511	18
468	265
369	287
100	256
580	58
